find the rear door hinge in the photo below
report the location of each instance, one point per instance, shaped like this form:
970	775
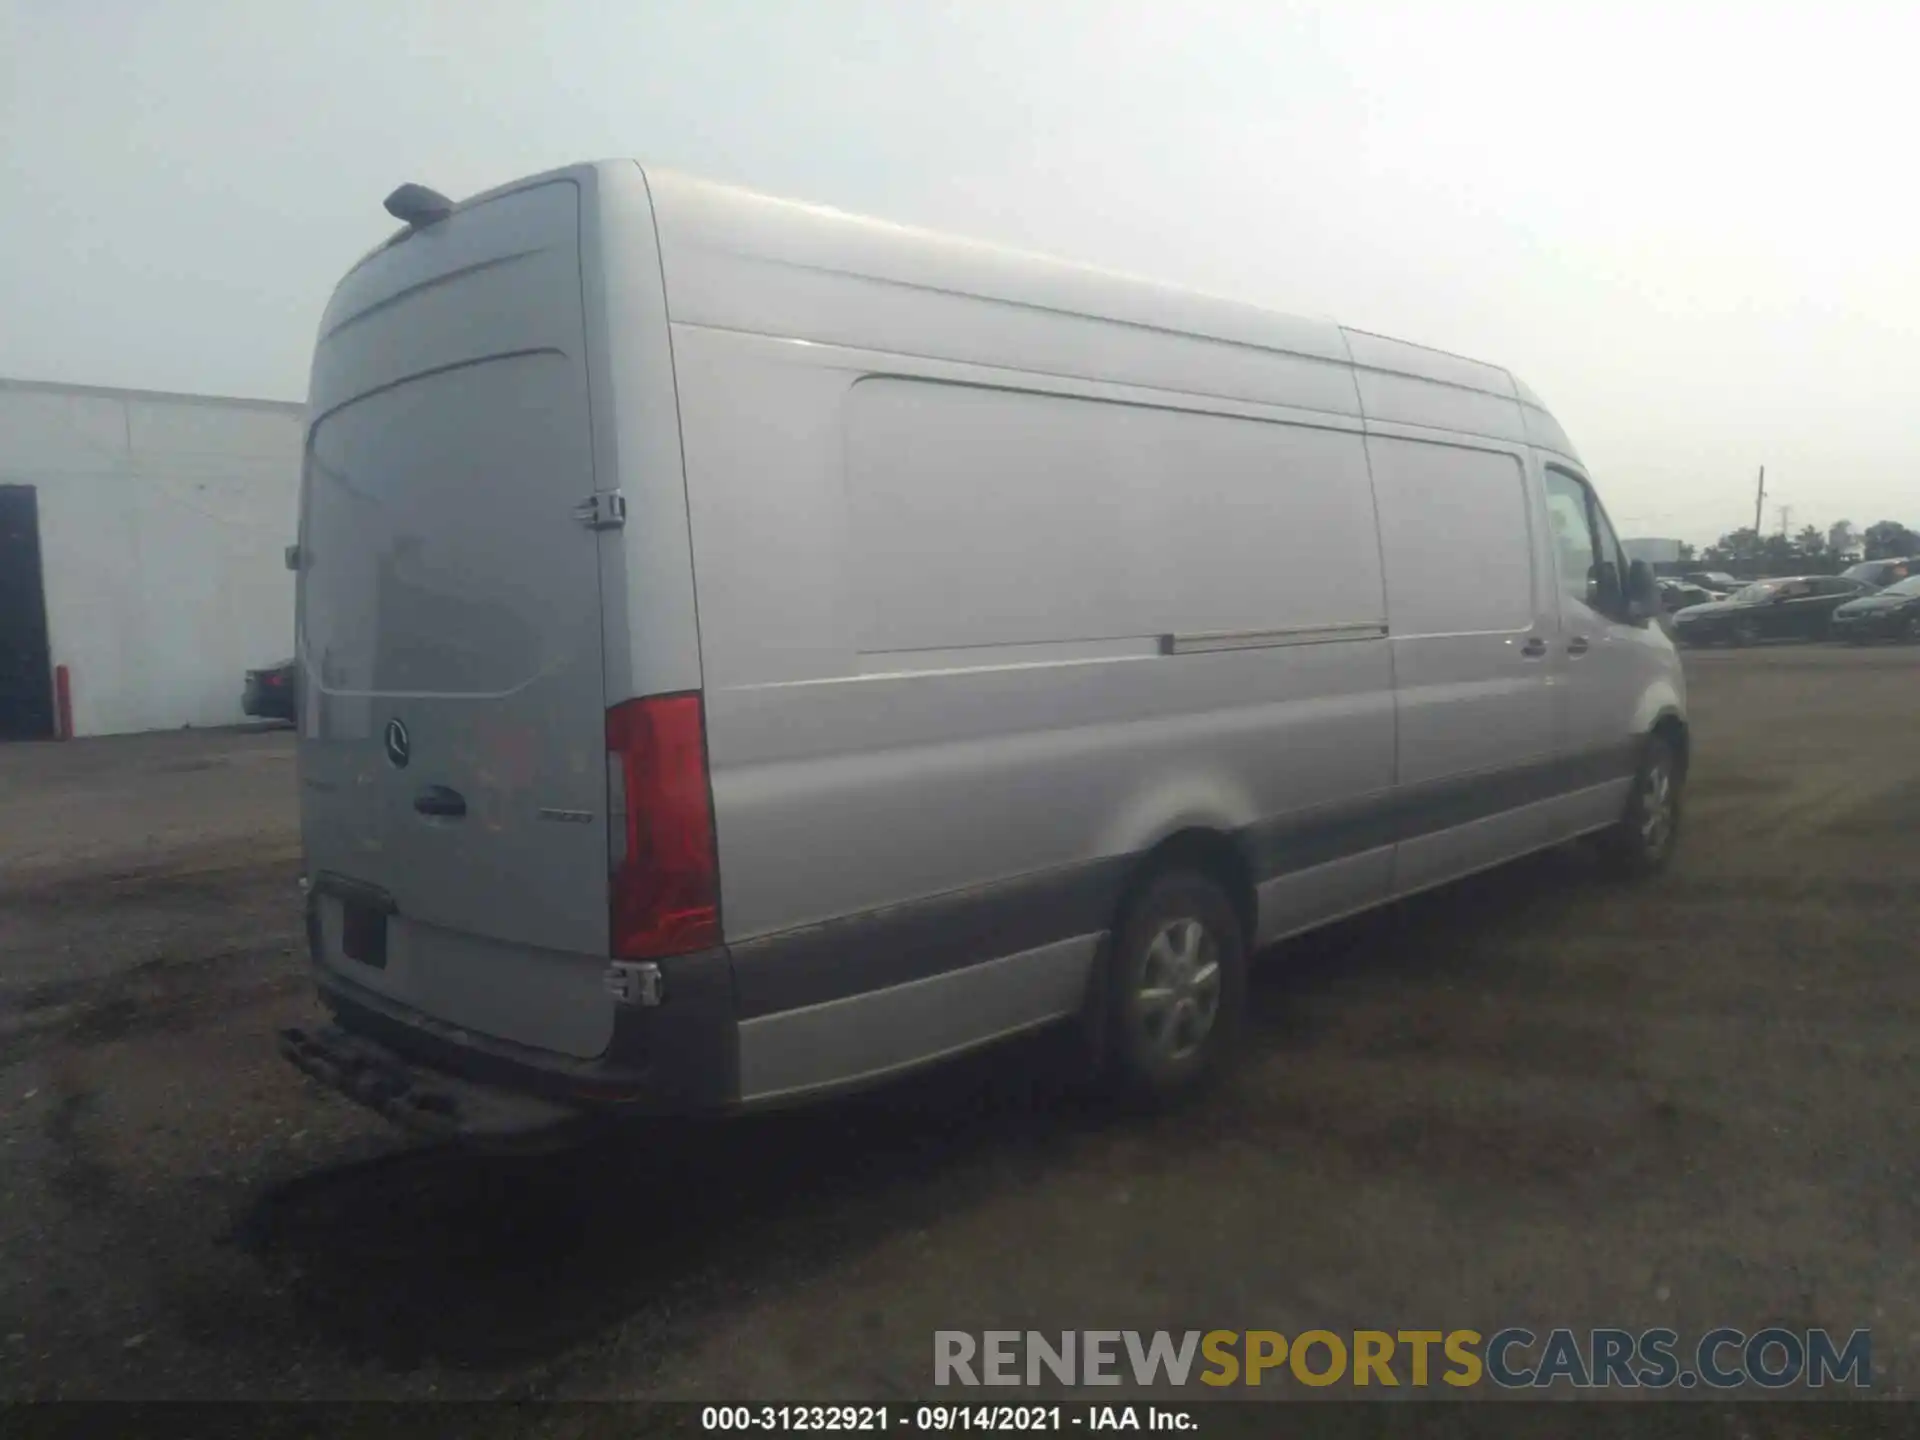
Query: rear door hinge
602	510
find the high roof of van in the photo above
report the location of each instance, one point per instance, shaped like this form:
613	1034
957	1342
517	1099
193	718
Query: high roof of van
722	244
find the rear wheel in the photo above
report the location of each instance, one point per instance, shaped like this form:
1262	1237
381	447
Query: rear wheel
1642	842
1176	986
1908	629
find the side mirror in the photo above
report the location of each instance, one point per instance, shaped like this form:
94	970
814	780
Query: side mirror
1643	591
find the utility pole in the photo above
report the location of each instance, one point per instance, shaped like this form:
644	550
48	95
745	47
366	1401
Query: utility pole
1759	499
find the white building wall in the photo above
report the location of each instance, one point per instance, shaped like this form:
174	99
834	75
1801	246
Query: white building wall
163	526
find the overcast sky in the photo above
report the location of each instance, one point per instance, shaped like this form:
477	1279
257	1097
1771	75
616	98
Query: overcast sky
1692	230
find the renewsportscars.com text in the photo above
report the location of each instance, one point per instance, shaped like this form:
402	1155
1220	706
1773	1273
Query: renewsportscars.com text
1514	1358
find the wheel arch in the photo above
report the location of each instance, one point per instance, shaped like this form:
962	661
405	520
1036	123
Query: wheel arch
1214	853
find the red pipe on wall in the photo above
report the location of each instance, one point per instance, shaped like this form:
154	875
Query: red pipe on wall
62	703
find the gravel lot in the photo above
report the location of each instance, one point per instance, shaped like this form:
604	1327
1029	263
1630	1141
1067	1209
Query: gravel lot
1535	1098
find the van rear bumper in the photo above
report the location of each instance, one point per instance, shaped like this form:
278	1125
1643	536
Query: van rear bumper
676	1058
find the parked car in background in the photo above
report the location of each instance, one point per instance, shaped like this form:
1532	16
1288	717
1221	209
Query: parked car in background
1678	595
1889	614
1718	581
1797	606
1882	573
269	692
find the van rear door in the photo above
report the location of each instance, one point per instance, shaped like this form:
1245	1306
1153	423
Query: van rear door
452	748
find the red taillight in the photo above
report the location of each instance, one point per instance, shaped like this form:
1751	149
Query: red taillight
664	896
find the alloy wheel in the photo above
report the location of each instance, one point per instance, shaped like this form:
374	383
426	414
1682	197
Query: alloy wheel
1656	808
1179	992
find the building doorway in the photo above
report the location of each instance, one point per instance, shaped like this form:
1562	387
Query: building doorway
26	672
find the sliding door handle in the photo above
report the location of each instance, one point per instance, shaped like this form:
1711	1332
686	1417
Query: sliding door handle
1534	648
1578	645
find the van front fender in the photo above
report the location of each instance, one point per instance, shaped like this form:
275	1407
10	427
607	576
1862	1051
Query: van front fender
1663	704
1661	701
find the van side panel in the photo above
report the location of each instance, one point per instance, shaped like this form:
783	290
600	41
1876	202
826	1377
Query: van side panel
985	517
1471	621
934	602
1008	571
847	1042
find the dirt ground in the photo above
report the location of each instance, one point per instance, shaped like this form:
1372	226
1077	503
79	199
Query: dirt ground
1536	1098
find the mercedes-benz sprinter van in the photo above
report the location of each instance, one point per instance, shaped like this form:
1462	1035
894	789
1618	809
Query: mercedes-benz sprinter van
748	651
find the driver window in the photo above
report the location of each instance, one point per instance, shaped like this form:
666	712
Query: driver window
1612	552
1575	549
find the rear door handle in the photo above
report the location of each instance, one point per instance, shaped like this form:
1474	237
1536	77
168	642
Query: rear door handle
1534	648
439	800
1578	645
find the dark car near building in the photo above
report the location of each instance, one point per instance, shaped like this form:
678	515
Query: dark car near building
1889	614
1796	606
269	692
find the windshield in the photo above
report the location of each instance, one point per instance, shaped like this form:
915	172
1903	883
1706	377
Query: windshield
1759	590
1908	586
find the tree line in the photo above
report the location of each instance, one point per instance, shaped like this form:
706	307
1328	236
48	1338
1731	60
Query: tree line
1812	551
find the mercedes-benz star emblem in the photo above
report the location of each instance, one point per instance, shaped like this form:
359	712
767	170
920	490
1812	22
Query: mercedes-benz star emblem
399	745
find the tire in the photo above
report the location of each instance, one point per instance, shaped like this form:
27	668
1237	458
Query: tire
1642	842
1180	943
1909	630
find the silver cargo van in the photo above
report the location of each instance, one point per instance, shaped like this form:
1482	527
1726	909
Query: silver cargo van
748	651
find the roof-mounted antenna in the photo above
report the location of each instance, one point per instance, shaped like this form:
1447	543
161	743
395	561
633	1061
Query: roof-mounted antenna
418	206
